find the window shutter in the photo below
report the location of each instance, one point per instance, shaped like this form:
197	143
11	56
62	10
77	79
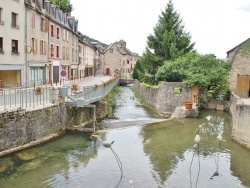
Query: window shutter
46	24
41	47
44	46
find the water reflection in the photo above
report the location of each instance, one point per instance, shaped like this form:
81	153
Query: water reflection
152	155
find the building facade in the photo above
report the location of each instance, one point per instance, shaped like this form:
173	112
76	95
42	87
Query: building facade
119	60
12	46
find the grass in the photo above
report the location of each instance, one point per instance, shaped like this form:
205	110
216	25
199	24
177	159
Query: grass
142	101
110	100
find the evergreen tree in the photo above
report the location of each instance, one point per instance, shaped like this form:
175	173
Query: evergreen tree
170	40
137	69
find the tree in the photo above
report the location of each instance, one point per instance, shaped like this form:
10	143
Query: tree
64	5
194	69
170	41
150	64
137	69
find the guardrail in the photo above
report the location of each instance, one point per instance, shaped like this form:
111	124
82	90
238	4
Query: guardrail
88	94
18	97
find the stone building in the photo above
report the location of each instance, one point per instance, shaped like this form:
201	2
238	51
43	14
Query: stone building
118	59
239	79
12	48
240	72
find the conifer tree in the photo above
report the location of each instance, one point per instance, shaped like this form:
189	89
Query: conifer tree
169	40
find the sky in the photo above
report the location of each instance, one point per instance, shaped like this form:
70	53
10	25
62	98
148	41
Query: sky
216	26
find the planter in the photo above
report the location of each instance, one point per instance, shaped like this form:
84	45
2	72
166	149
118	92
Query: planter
38	93
74	89
188	106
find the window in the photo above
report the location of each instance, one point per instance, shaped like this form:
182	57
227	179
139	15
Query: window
42	47
67	53
63	53
14	20
1	44
76	55
34	45
63	30
127	61
111	50
1	19
33	19
52	30
51	50
14	47
57	51
72	54
43	24
58	32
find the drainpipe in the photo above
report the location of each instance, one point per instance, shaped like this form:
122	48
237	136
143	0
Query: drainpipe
25	50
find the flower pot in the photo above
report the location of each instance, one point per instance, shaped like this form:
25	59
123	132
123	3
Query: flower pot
188	106
38	93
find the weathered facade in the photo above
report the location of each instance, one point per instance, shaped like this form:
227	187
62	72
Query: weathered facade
240	72
12	48
240	98
118	59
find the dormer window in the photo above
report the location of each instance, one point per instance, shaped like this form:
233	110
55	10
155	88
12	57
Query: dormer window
111	50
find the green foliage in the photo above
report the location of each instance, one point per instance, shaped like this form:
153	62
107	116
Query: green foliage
136	69
64	5
195	69
169	40
150	64
246	47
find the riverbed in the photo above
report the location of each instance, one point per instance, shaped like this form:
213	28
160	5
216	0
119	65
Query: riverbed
154	152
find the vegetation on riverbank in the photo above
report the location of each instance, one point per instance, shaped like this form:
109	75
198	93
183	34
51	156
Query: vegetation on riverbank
110	100
142	101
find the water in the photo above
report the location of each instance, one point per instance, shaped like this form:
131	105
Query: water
159	154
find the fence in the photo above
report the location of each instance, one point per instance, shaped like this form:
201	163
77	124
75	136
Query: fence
18	97
89	94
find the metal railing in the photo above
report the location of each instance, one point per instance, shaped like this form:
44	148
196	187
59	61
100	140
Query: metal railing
18	97
89	94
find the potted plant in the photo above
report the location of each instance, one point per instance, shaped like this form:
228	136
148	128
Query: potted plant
38	90
96	87
74	87
188	104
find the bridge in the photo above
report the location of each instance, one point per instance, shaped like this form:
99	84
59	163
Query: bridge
125	81
85	95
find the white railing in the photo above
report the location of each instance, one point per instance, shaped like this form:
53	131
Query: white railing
89	94
23	98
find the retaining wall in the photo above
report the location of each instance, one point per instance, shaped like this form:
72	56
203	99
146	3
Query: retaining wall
21	129
163	98
240	112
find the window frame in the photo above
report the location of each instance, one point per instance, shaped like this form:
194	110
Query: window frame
14	51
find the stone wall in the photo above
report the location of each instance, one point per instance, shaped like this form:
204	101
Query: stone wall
239	57
163	98
22	129
240	112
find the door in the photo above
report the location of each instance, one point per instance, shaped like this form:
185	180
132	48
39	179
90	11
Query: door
243	89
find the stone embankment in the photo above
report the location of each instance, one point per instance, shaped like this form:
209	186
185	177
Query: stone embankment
22	129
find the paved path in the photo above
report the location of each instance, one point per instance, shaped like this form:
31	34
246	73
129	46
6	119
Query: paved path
98	79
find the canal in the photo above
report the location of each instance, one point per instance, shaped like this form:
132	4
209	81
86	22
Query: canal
154	153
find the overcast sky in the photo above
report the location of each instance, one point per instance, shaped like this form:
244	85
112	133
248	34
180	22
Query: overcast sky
216	26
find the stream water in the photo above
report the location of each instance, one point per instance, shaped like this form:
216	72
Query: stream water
154	153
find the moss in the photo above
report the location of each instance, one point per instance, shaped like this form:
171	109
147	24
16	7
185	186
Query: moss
142	101
110	100
28	154
246	48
